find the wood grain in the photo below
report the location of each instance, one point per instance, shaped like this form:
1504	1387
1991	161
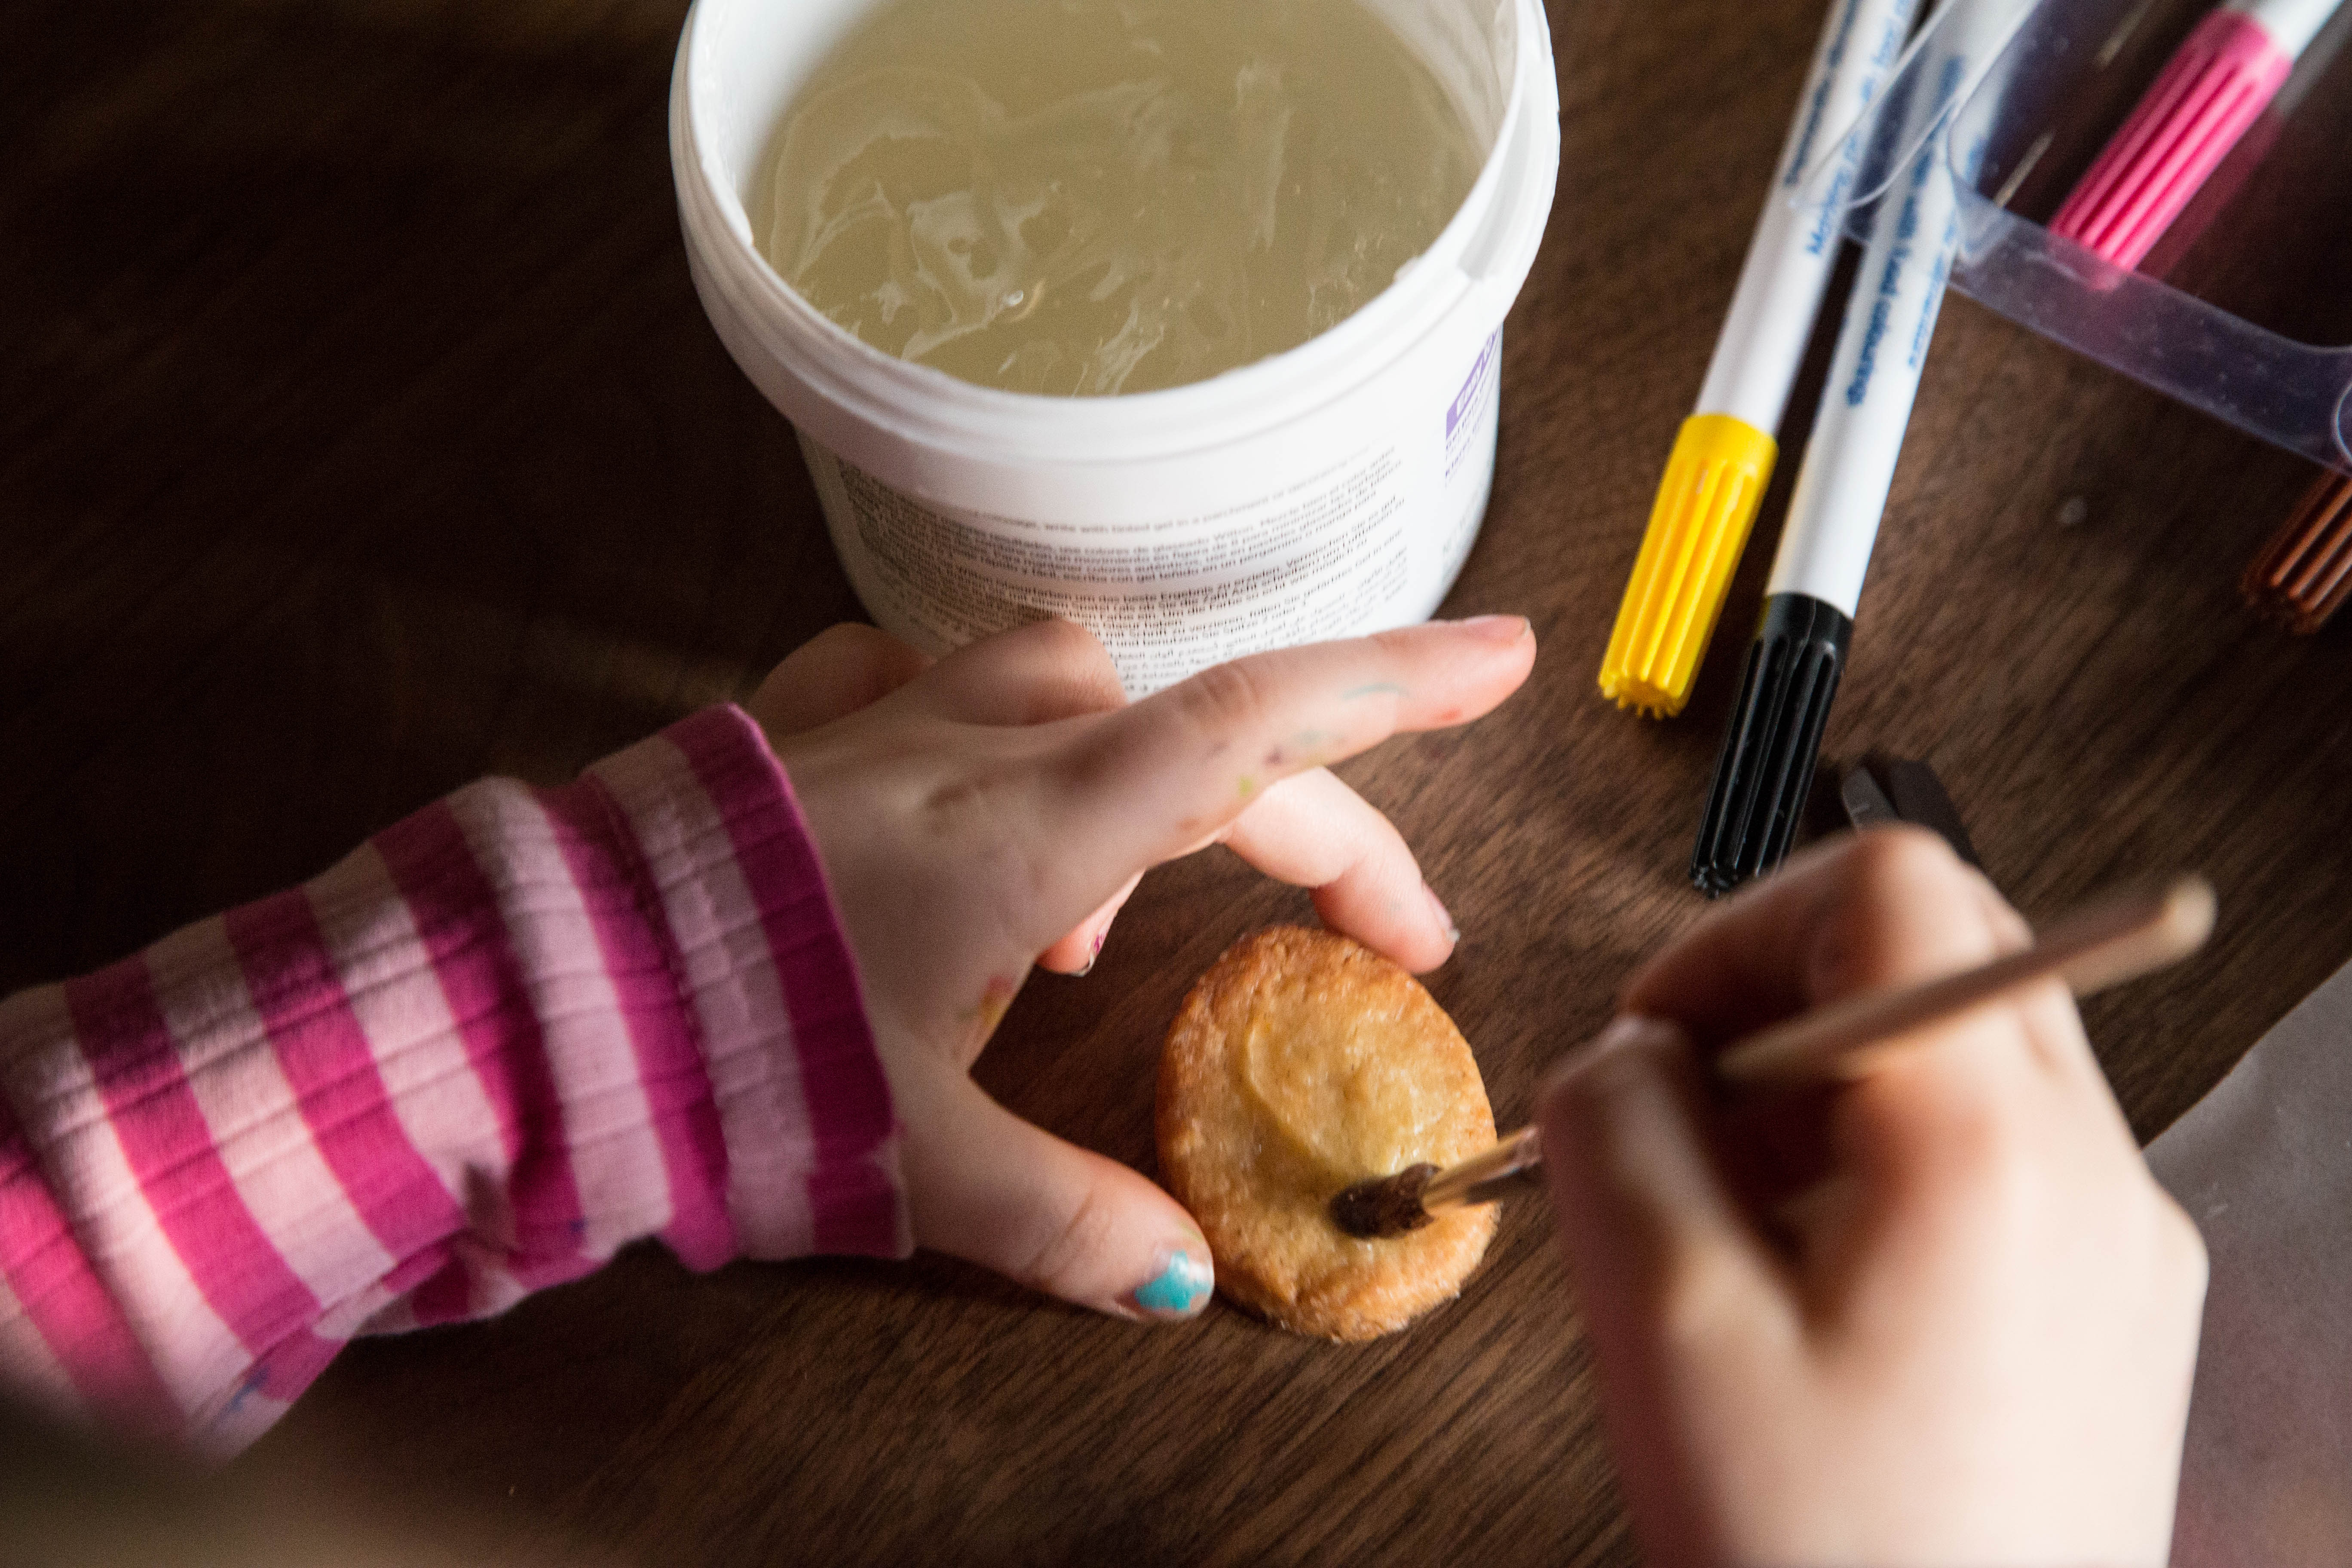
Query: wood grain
359	432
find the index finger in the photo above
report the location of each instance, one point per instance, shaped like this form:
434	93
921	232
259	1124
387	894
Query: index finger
1149	782
1890	907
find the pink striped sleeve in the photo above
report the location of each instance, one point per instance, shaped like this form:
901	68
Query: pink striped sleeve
508	1036
812	1142
66	1332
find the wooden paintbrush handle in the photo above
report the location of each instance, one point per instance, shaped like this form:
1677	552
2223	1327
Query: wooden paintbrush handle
2094	948
2102	945
2098	947
1462	1183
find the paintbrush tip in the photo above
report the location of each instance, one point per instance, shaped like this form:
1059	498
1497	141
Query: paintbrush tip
1390	1205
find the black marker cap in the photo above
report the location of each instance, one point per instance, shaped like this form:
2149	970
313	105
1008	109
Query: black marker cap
1765	768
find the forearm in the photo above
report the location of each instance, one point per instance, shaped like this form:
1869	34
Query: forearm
507	1037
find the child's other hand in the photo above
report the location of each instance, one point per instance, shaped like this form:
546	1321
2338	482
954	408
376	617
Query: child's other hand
1941	1316
994	810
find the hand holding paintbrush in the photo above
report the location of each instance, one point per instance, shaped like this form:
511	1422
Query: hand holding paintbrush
1942	1315
2100	945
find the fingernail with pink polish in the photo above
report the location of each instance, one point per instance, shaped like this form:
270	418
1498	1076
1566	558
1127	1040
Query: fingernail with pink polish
1437	905
1182	1285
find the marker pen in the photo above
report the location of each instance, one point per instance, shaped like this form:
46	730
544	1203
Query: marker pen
2214	87
1766	766
2304	575
1723	458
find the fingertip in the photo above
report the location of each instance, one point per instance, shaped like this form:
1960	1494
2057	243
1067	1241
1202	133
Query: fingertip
2010	928
1184	1277
1513	636
1064	1221
1855	912
1434	954
1169	1277
1415	934
1443	920
836	672
1899	861
1313	831
1433	949
1073	955
1503	631
1442	674
1506	646
1911	909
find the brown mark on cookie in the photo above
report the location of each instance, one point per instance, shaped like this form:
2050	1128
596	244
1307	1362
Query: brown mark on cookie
1390	1207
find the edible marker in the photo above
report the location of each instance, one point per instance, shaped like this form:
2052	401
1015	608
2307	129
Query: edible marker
1723	457
1765	769
2303	574
2214	87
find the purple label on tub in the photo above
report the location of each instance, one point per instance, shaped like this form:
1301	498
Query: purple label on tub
1467	398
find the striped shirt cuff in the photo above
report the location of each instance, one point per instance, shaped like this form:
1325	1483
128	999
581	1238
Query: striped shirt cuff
773	989
505	1037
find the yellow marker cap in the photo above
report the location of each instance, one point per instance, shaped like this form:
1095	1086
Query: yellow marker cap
1714	483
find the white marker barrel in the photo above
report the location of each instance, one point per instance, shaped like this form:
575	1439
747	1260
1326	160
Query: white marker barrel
1796	244
1883	348
2292	24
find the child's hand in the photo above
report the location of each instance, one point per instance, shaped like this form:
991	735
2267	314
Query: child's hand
1941	1316
994	810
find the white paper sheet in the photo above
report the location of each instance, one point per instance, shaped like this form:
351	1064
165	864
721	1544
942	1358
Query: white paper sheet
2263	1165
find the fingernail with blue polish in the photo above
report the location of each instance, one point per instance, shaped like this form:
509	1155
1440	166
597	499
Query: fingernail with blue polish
1182	1287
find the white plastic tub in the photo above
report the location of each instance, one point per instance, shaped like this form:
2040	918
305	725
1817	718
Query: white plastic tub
1327	492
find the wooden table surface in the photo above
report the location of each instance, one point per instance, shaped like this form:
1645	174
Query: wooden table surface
359	432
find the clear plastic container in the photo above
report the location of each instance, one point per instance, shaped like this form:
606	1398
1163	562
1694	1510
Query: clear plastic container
2244	308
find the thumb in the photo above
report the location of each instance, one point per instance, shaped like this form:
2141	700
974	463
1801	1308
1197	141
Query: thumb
1656	1240
990	1188
1674	1284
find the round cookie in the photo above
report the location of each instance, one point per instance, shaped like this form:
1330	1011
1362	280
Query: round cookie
1299	1065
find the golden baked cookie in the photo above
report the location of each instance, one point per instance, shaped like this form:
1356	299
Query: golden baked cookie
1301	1064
